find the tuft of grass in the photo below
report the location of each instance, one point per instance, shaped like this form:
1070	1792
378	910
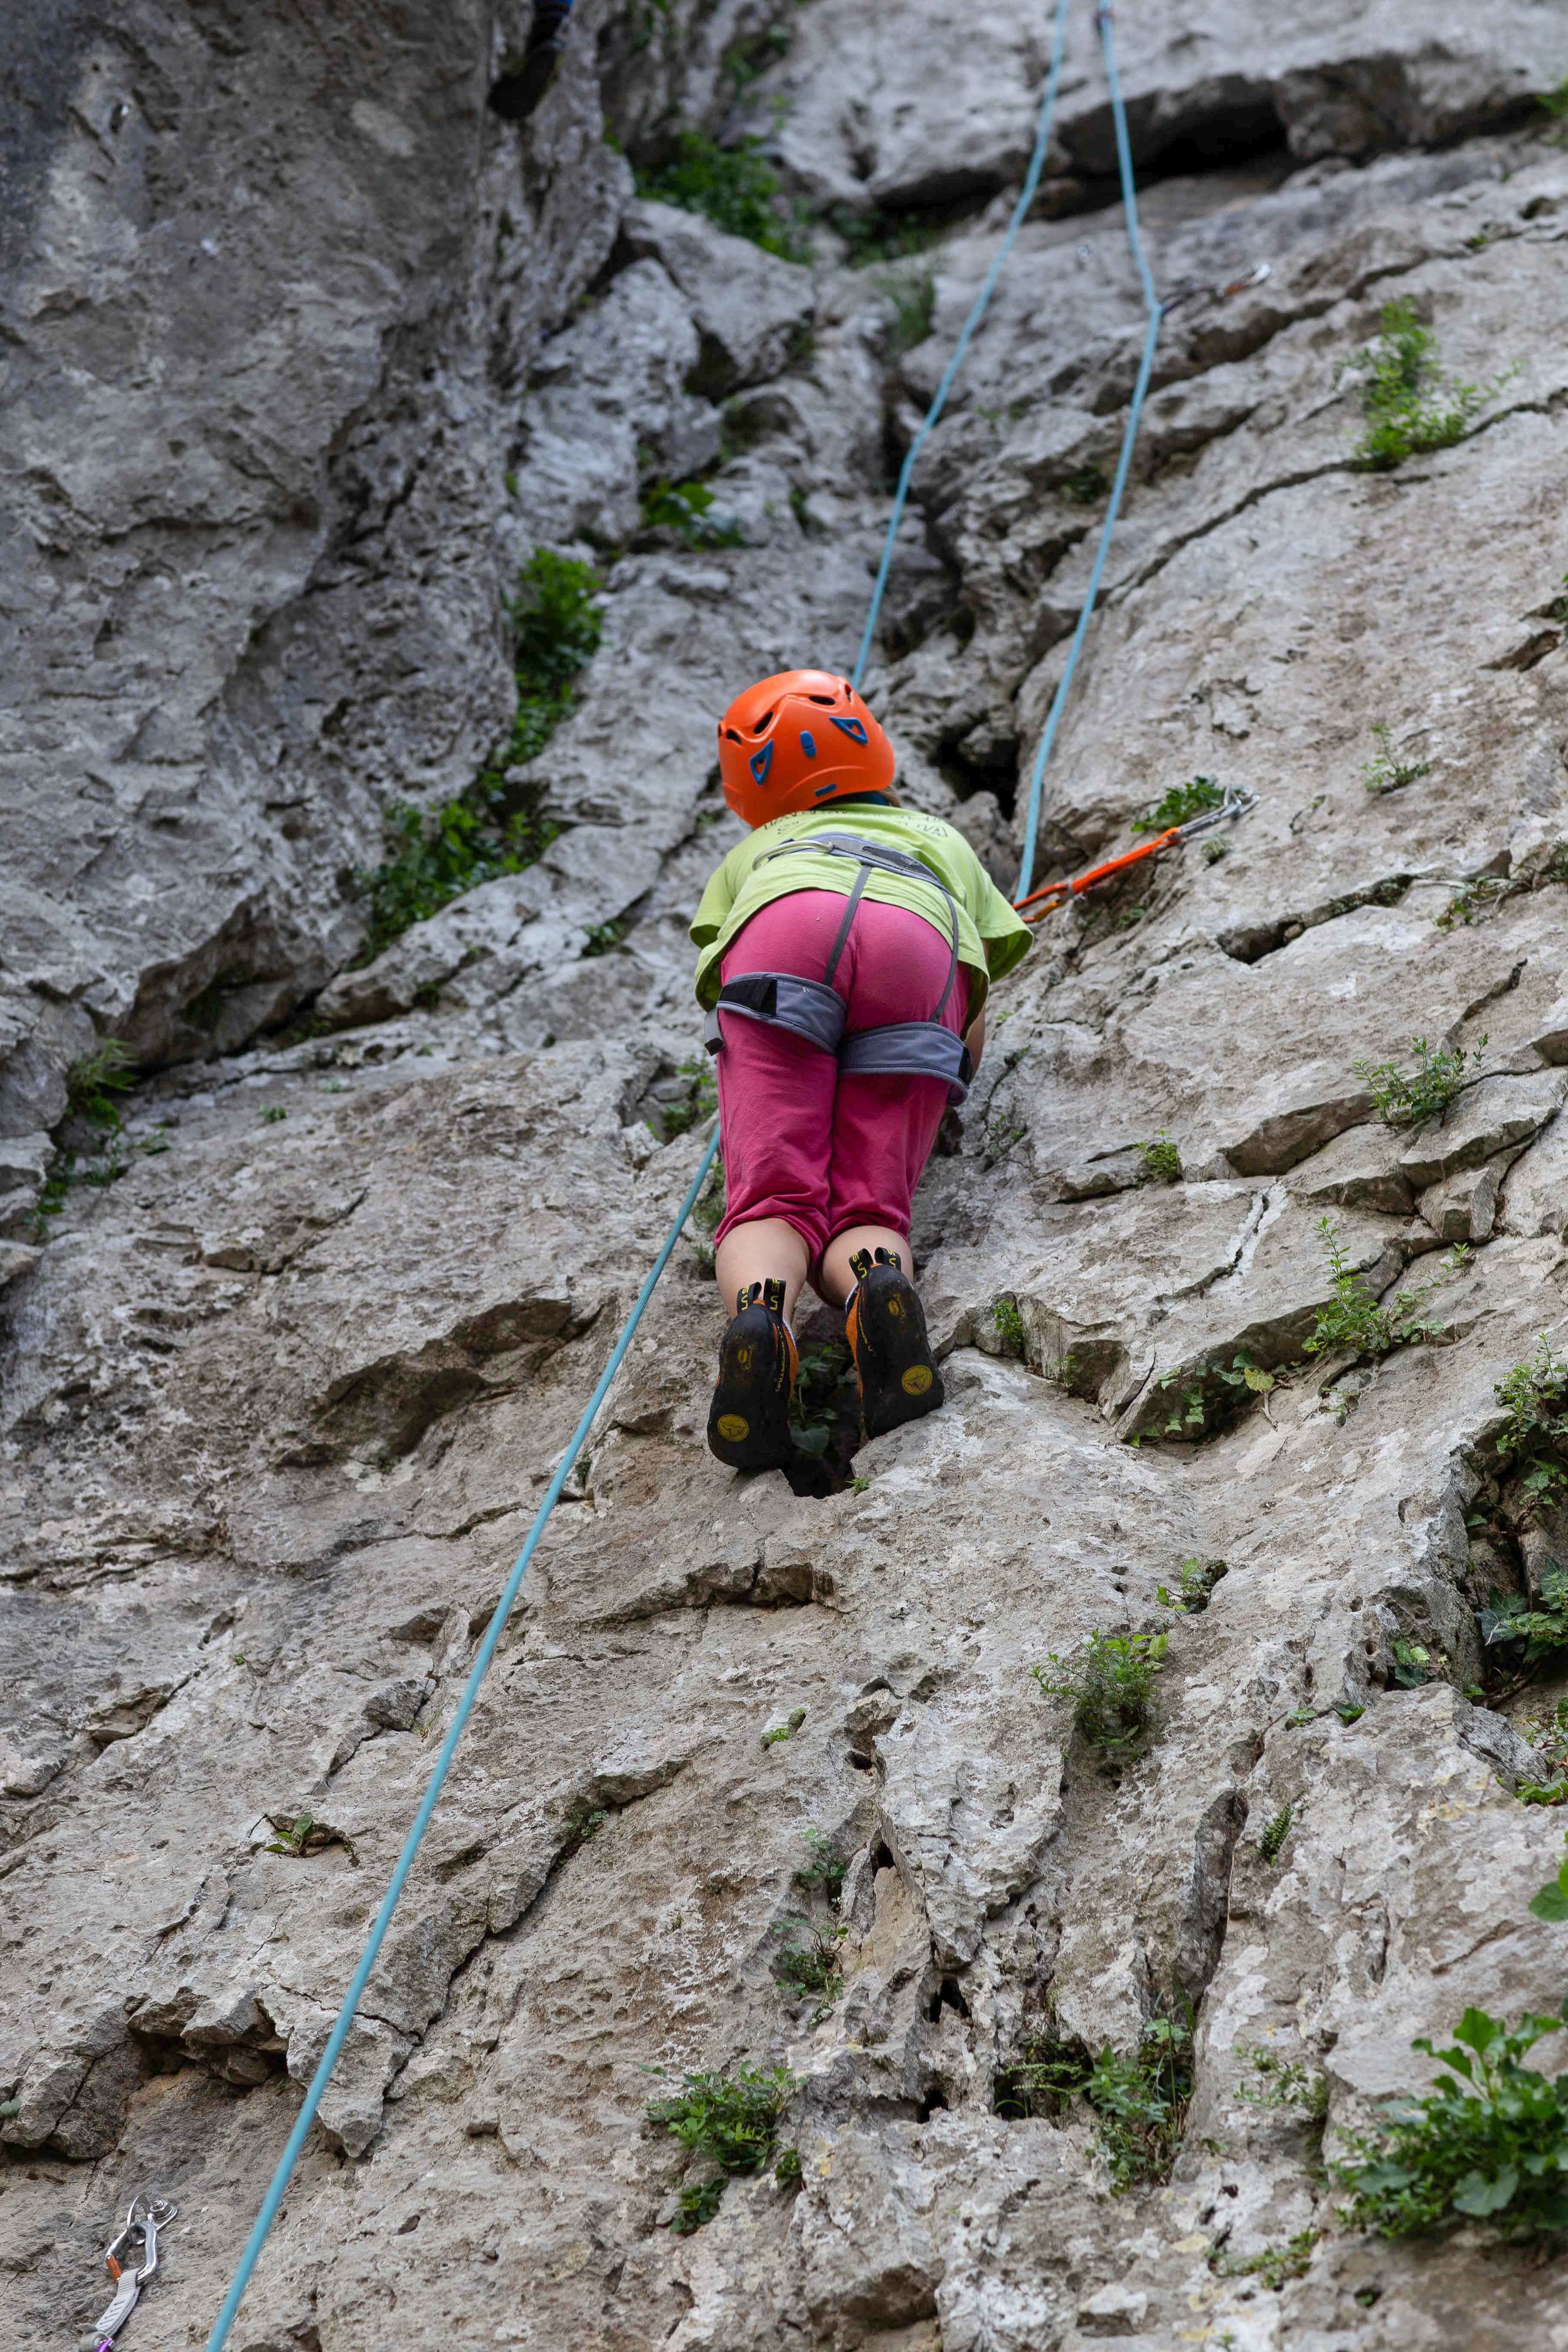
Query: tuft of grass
687	508
487	829
1276	1830
1353	1321
272	1113
1161	1162
729	2121
1410	1098
1043	2080
93	1081
1409	405
814	1966
1483	2145
912	296
734	188
1275	2266
1009	1327
824	1869
1111	1685
1180	802
1139	2103
1385	771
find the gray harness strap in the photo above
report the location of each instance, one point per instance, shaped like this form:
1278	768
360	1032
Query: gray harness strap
812	1009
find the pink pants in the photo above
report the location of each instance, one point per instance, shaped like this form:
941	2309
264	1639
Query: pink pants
822	1151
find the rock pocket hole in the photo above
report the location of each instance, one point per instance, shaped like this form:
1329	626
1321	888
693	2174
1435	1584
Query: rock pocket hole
947	1996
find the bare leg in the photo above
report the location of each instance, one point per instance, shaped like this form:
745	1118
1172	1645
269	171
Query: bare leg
768	1250
837	1281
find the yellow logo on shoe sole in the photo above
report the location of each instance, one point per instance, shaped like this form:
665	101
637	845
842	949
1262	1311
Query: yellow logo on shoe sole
917	1379
733	1427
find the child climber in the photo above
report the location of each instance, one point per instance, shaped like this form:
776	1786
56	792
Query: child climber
846	948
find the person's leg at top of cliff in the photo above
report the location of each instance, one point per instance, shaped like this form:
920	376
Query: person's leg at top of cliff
527	73
846	946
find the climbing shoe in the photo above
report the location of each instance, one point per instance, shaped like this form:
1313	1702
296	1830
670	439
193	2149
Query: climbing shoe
748	1421
887	1328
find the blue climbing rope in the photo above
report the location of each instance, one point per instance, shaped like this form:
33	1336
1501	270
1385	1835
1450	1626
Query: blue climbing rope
343	2023
978	309
1156	311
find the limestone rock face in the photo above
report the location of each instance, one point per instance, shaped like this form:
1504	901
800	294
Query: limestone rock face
308	353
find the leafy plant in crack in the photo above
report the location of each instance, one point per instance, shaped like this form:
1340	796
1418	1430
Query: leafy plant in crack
602	937
493	827
1275	2266
735	187
1001	1134
1196	1582
1111	1685
1355	1323
687	508
1276	1830
1045	2078
1549	1737
728	2121
1409	1099
1384	772
1471	900
786	1730
1142	2102
1179	802
1086	489
1009	1327
1485	2143
823	1387
1414	1665
1536	1630
814	1965
298	1834
1193	1415
1555	103
93	1081
1161	1162
1409	405
825	1868
700	1102
1283	2084
1551	1902
1535	1398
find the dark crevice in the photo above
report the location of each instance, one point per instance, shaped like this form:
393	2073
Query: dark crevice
1250	942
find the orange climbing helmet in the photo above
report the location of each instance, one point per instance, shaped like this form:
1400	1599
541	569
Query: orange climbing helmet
796	742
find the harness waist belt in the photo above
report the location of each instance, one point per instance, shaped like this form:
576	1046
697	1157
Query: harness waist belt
812	1009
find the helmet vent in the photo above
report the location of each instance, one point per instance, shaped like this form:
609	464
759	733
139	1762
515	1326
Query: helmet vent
825	700
765	721
732	734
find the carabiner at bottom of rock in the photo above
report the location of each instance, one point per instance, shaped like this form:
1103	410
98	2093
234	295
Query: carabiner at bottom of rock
146	2216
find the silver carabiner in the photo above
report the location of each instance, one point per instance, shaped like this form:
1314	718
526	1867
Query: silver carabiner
1238	801
144	2219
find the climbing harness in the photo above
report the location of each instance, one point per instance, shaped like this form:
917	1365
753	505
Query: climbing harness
1237	802
812	1009
146	2217
343	2023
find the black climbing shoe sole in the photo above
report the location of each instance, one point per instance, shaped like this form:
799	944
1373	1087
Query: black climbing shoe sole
887	1326
748	1421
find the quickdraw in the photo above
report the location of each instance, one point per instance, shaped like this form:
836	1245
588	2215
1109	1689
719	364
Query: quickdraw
145	2218
1237	802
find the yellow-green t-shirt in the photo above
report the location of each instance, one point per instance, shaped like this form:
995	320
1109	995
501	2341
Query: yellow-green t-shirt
991	937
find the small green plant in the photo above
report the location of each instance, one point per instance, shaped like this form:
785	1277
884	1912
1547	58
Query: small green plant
1161	1162
1551	1902
814	1966
824	1869
786	2172
700	1102
603	937
1045	2078
1214	850
911	295
1555	103
1275	2266
784	1731
1001	1134
825	1388
729	2121
1470	901
1086	489
1142	2102
1535	1397
1111	1684
1349	1711
1180	802
1541	1625
1384	772
94	1079
1409	1099
687	508
1409	405
1283	2084
1196	1582
1485	2143
1276	1830
1549	1737
488	829
272	1113
735	187
1414	1665
1354	1323
298	1835
1009	1327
